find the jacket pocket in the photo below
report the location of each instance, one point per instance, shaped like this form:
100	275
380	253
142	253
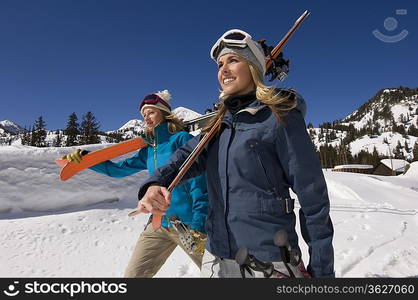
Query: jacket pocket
279	205
264	170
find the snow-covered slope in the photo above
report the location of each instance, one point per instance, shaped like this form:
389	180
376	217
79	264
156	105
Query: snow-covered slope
77	228
185	113
400	103
9	132
386	121
80	228
10	127
137	125
368	143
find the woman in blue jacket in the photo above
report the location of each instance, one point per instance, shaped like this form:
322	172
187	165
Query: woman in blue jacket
261	150
165	133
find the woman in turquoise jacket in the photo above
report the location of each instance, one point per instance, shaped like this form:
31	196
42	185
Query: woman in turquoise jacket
164	135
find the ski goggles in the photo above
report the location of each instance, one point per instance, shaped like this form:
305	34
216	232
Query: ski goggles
153	99
239	39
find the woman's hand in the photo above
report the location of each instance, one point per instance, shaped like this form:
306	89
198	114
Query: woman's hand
76	155
199	239
156	200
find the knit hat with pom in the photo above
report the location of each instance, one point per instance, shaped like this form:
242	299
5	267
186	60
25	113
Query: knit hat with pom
160	100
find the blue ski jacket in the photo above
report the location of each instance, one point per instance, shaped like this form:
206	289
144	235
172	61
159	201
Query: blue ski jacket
190	199
250	166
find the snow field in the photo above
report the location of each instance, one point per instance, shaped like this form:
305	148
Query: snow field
80	228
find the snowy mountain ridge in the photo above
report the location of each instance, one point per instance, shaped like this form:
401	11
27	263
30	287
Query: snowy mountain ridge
399	105
132	128
10	132
388	122
10	127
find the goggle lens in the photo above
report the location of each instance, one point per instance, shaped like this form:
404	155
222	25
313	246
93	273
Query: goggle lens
153	99
235	36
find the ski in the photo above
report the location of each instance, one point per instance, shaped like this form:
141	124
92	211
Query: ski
69	169
276	51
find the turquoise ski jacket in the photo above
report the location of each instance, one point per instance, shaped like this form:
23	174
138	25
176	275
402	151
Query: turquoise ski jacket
190	199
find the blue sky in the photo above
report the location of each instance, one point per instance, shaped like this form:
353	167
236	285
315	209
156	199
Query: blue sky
103	56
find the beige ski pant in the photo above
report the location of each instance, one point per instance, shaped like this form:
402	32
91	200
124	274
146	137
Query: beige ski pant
152	250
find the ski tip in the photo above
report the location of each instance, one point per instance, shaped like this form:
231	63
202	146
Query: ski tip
63	178
303	16
61	162
133	213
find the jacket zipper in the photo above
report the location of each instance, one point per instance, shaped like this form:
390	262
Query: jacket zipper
265	172
288	202
227	187
155	149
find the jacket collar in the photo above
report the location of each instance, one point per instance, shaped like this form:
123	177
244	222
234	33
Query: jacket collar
235	103
161	134
253	108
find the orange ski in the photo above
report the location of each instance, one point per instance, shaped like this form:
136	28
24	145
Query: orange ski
69	169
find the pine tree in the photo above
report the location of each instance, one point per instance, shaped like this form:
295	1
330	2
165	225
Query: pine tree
25	139
40	138
412	130
401	129
32	137
402	118
58	140
375	158
415	152
89	129
397	152
407	149
114	137
386	113
72	131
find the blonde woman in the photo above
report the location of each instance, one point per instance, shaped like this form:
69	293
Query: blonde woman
164	134
261	151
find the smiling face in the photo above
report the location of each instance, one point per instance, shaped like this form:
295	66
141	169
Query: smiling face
234	75
152	117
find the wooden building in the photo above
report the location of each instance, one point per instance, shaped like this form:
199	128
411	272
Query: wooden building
391	167
199	122
364	169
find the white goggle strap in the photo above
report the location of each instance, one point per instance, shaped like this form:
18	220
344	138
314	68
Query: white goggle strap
236	43
257	53
246	41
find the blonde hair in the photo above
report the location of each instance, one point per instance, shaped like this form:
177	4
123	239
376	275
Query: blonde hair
175	124
279	104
